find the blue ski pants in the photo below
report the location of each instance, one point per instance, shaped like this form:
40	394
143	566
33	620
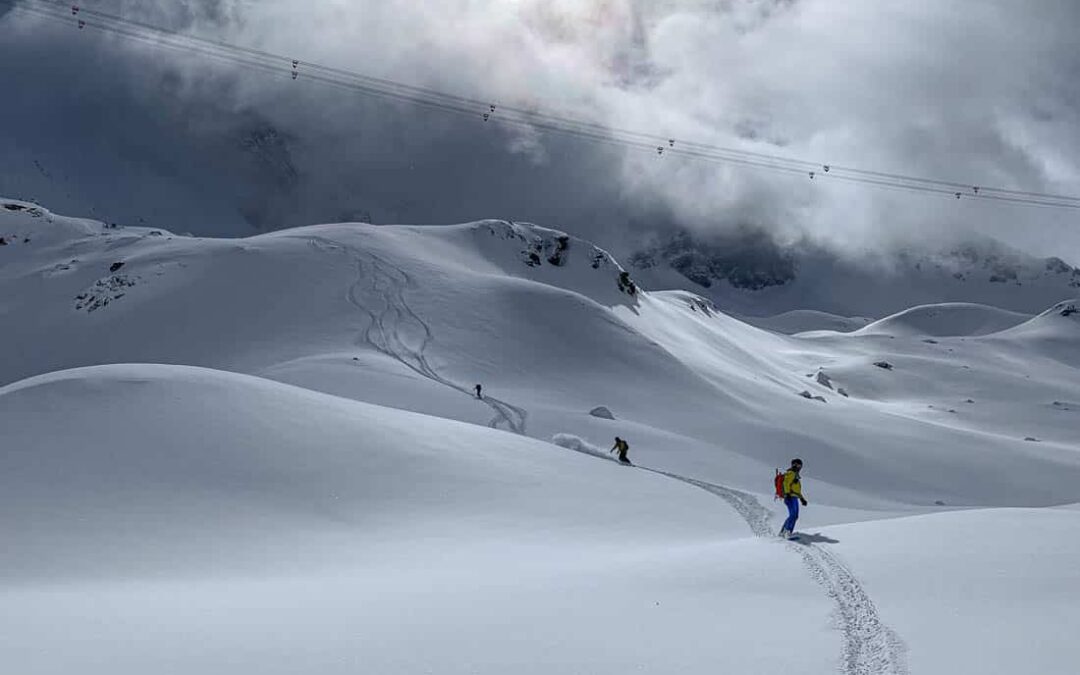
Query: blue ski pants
792	504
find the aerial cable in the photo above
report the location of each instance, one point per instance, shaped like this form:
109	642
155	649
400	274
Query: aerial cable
530	118
722	152
405	93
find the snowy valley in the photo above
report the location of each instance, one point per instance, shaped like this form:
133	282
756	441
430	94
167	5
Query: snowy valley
267	455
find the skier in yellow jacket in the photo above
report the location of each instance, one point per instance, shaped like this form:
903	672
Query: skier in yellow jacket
792	497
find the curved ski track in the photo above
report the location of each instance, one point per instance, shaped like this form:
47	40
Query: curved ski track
390	323
869	646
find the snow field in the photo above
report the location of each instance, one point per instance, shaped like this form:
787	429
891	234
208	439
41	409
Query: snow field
313	483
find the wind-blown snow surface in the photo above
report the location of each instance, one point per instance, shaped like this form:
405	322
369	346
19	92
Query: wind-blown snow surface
279	528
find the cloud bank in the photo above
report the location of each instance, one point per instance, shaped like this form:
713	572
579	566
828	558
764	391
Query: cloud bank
986	92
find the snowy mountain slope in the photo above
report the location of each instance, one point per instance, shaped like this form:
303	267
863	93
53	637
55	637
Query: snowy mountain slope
296	521
805	320
748	273
291	528
1052	332
871	433
946	319
413	317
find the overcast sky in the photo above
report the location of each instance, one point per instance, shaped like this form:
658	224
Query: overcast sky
980	91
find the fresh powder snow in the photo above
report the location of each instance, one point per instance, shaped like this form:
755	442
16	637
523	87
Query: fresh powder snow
267	455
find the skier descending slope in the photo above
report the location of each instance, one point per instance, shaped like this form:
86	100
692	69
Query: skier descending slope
792	490
479	391
623	447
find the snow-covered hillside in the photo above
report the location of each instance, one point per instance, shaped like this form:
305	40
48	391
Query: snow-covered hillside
283	527
946	320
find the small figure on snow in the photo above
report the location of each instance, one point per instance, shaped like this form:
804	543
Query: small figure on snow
479	392
623	447
792	491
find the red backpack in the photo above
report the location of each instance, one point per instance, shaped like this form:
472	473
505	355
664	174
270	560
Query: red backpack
778	482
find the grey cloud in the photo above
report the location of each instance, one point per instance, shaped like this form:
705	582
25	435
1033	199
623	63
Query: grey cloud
982	91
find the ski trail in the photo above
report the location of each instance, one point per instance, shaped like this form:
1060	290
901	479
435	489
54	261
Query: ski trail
869	646
391	321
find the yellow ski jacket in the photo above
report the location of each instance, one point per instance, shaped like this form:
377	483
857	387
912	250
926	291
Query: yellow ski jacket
792	485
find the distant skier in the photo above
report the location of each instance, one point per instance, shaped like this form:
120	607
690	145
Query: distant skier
479	392
623	447
792	489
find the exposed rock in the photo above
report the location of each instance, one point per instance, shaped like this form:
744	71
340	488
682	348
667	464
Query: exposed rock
601	412
103	292
883	364
561	244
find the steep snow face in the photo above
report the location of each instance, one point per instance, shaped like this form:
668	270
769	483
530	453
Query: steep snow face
748	273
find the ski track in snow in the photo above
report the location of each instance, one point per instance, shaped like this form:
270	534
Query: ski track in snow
389	325
870	647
